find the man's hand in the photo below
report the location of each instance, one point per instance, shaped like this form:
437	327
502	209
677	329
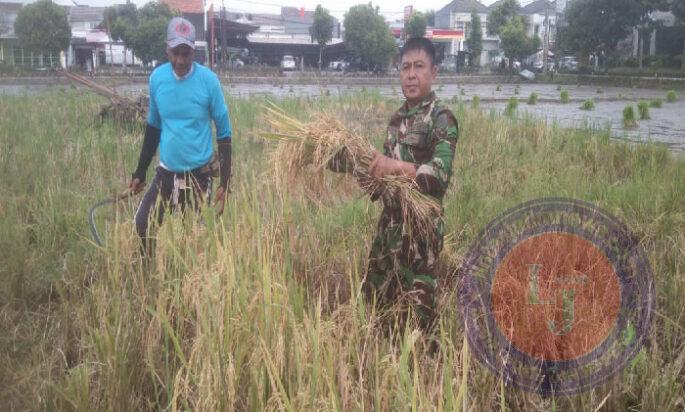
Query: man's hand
135	185
382	166
220	200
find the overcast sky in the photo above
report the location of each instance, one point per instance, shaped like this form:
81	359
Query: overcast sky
392	9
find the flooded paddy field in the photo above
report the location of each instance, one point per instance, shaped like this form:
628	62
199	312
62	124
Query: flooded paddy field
667	124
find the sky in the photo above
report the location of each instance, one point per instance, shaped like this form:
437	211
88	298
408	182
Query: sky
391	9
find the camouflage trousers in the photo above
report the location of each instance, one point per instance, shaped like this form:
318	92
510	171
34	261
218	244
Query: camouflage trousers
400	271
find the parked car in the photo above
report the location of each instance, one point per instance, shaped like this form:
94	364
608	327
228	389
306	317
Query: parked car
338	65
568	64
288	63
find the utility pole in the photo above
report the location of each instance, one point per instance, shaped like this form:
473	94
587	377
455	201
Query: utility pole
221	33
545	46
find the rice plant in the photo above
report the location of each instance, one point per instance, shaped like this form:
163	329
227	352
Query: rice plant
629	118
512	105
671	96
643	108
588	105
325	139
475	101
564	98
260	309
656	103
533	99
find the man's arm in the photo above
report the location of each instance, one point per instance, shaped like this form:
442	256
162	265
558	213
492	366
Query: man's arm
150	144
219	113
225	163
433	177
153	132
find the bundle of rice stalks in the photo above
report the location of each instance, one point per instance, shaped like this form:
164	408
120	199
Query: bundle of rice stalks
307	148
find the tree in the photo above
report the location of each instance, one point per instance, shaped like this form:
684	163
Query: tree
148	40
598	25
506	22
42	27
119	19
142	30
321	29
416	26
367	36
514	41
430	18
678	9
475	39
501	15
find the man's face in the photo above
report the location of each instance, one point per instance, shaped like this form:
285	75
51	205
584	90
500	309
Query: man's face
417	74
181	58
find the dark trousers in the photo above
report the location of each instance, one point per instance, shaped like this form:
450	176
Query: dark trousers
170	191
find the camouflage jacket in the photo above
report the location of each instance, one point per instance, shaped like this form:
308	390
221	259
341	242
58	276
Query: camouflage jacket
425	135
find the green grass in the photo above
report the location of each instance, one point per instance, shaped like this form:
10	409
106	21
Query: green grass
533	99
588	105
671	96
656	103
475	101
629	118
261	309
563	97
512	106
643	108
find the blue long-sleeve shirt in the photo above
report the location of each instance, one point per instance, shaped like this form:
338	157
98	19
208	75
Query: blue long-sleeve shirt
184	109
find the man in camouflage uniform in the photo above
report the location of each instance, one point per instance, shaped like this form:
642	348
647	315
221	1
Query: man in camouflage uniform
420	144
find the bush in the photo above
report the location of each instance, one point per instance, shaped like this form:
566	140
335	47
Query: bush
671	97
588	105
512	105
533	99
629	120
564	96
643	108
656	103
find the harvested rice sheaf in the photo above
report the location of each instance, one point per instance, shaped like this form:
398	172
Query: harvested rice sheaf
309	147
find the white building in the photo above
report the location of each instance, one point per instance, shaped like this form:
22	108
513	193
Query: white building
90	44
542	19
457	16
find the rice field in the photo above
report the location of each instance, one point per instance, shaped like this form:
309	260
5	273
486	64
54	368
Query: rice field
260	309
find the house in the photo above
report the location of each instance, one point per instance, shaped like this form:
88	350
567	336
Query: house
287	33
91	45
541	16
8	39
11	52
457	16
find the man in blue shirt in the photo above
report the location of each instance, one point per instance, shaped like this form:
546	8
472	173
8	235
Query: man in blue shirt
185	97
